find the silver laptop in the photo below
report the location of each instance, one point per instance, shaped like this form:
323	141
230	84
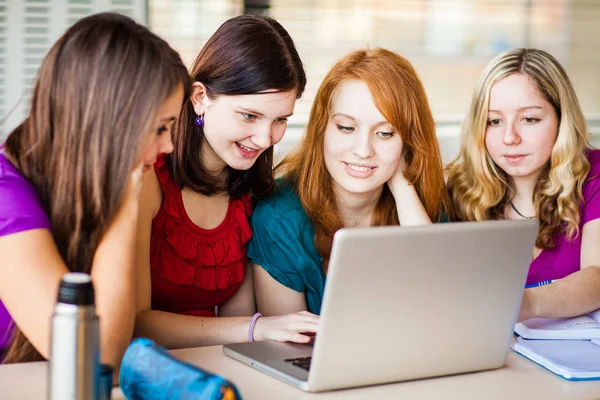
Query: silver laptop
408	303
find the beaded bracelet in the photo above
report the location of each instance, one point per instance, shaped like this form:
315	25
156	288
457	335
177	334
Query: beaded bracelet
252	325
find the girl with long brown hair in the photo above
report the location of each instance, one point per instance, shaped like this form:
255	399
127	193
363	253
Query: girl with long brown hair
70	176
195	284
370	157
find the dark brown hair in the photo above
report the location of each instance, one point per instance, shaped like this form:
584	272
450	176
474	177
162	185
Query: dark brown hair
98	92
400	97
246	55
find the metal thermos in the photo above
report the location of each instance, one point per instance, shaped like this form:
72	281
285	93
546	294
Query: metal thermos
74	368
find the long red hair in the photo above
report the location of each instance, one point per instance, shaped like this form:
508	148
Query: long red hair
400	97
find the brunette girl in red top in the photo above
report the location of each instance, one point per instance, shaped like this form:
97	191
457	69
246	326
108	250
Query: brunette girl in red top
196	202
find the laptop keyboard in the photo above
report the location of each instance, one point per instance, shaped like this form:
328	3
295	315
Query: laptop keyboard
302	362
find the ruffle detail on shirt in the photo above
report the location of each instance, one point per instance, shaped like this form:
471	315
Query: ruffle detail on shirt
204	260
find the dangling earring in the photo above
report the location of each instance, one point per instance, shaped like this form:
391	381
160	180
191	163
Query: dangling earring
200	121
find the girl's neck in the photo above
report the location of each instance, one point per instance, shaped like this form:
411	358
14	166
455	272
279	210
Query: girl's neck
524	187
521	204
212	162
356	210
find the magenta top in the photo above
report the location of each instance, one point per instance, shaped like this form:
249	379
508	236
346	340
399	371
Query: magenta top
20	210
565	257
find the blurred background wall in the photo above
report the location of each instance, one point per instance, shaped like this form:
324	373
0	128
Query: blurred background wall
448	41
28	28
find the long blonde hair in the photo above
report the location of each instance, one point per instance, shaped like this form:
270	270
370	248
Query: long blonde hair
480	189
401	99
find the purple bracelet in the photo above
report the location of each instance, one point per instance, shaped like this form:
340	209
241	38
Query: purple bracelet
252	325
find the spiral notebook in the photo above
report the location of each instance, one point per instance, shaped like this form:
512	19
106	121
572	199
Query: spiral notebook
575	360
581	327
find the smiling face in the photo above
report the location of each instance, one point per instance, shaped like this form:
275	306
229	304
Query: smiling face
239	128
159	139
362	150
522	127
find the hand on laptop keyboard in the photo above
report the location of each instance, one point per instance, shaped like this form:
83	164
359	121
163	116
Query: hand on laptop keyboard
297	327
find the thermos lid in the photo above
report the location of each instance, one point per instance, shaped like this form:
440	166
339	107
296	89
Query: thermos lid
76	288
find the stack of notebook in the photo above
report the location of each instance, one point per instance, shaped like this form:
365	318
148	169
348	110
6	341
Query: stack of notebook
568	347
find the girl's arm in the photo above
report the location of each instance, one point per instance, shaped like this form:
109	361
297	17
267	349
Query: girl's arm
577	294
408	204
274	298
242	302
150	201
182	331
31	270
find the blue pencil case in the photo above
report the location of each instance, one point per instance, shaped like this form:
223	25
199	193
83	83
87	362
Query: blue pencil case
149	372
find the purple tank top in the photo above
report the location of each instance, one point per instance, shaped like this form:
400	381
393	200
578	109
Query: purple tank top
565	258
20	210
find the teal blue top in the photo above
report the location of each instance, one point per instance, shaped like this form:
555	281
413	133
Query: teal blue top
283	243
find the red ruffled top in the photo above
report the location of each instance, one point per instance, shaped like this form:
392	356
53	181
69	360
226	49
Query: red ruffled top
195	269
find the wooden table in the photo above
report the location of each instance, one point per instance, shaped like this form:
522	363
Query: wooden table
519	379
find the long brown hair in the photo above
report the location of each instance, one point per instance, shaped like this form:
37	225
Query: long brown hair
481	190
401	99
97	94
246	55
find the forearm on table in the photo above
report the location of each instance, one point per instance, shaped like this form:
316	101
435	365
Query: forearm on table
181	331
577	294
